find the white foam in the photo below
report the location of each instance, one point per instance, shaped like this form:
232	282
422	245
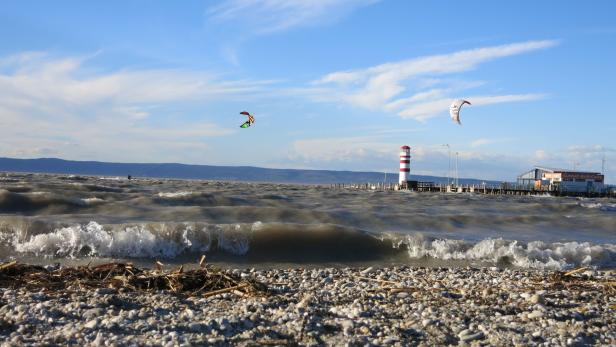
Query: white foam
138	241
173	195
598	205
116	178
535	254
93	201
169	240
591	204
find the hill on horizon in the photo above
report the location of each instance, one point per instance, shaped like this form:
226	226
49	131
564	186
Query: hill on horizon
210	172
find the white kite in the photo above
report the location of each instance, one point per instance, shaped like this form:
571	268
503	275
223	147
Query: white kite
454	110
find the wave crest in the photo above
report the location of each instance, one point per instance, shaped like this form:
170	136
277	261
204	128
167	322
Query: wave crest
534	254
292	242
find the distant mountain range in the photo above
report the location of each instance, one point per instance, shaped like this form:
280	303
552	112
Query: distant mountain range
208	172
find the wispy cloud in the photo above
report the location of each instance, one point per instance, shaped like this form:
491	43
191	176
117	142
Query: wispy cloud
424	110
342	149
66	80
378	153
267	16
485	141
481	142
383	87
63	106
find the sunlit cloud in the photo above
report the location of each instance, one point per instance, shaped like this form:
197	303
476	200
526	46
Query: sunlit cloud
400	86
64	107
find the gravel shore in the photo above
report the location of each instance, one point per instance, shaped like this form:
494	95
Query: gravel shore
331	306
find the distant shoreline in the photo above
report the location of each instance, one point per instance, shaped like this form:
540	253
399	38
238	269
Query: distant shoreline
209	172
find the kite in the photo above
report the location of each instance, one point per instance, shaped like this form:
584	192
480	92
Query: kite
454	110
250	120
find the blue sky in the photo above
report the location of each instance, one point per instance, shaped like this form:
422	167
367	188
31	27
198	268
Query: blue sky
334	84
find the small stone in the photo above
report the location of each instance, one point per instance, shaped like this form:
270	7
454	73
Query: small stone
537	299
535	314
248	324
471	337
305	301
99	340
465	332
427	322
347	327
196	327
93	313
39	296
104	291
367	271
92	324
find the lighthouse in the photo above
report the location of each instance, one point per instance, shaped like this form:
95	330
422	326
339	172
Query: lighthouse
405	164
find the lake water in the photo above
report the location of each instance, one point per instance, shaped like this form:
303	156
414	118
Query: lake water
54	218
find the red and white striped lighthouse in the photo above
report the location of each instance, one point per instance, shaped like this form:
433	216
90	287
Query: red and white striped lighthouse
405	164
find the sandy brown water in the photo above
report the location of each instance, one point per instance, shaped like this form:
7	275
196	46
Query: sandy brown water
56	218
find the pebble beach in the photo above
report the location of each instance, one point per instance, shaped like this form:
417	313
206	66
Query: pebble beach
396	306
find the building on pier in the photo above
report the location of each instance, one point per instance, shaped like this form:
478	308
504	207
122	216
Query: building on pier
552	179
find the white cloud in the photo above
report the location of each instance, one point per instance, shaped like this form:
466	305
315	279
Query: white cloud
590	150
485	141
481	142
540	155
425	110
382	87
267	16
63	107
347	149
582	157
63	80
377	153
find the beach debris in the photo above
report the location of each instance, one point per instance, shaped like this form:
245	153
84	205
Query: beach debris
205	281
8	265
377	280
367	270
159	265
573	272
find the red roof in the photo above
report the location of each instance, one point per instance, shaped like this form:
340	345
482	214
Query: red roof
405	147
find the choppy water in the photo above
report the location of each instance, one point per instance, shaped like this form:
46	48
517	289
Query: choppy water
63	218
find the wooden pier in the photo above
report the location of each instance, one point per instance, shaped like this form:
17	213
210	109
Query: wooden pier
503	189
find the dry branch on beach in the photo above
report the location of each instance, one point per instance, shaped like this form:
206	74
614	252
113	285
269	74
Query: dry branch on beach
206	280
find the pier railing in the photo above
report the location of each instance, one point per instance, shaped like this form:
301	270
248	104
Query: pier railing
503	189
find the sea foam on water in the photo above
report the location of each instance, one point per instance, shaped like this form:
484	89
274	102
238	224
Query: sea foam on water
168	240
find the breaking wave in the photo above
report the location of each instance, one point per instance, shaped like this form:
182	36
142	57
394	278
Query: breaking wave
277	242
534	254
600	206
